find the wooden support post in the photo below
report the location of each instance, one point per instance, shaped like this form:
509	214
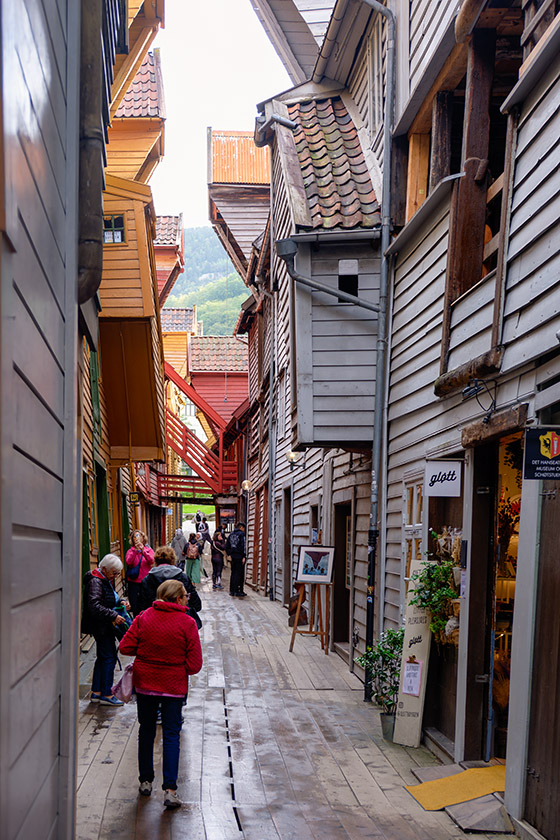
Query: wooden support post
440	159
467	218
418	166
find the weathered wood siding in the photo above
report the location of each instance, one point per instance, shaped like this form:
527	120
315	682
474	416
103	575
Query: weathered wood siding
532	295
39	596
428	22
338	355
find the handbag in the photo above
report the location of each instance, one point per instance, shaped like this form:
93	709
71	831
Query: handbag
124	688
120	629
132	572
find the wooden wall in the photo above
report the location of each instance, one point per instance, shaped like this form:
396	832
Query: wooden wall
428	22
532	293
39	555
336	349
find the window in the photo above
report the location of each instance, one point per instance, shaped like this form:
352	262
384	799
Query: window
413	506
113	230
348	277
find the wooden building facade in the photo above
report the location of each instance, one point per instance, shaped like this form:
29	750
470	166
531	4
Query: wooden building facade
473	354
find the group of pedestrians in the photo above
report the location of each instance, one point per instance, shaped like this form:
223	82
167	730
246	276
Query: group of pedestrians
163	637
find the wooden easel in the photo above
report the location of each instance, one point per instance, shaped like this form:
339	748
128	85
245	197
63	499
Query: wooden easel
315	603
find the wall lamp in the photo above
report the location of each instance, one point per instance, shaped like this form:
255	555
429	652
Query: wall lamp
479	386
292	458
246	485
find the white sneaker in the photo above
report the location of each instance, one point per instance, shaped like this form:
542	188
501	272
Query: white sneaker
145	788
171	800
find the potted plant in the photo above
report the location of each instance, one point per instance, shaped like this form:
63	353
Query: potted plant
382	663
434	590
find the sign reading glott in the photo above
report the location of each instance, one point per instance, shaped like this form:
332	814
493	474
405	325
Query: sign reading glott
442	478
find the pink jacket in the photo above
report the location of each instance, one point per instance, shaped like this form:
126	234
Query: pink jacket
132	557
165	641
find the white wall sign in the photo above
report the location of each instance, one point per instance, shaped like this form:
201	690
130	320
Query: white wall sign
412	677
442	478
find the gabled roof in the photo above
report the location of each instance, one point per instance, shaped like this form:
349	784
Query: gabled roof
219	353
144	97
177	320
336	180
169	230
296	29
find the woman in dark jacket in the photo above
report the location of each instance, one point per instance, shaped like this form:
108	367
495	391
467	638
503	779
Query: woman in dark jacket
99	618
218	554
165	641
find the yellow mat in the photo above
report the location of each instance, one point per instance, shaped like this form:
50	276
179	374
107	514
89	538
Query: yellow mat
470	784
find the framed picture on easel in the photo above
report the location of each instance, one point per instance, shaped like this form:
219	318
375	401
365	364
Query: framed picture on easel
315	564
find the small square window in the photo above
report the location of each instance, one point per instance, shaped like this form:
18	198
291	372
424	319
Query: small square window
113	230
348	283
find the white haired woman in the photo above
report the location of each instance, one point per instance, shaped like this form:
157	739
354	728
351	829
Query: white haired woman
100	618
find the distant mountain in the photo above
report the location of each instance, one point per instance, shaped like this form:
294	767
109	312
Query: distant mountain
205	260
209	281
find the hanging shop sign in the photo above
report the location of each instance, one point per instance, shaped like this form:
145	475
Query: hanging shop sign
542	453
226	500
442	478
134	498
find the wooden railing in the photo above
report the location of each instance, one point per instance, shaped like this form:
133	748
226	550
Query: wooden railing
220	475
172	487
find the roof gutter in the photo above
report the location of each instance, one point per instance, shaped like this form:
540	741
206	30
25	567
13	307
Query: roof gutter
262	127
329	42
92	155
381	356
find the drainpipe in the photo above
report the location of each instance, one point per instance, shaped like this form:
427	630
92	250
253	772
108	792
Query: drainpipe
262	126
380	373
92	154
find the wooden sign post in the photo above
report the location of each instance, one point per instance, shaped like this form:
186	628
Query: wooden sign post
315	567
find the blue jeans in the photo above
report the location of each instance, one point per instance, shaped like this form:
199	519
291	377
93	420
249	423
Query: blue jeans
171	720
104	668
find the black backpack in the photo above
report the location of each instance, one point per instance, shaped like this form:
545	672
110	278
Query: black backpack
235	543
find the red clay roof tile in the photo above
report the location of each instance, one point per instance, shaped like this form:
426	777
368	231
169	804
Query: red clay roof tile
168	230
144	98
219	353
177	320
335	175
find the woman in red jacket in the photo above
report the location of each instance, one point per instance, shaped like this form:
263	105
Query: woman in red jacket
165	641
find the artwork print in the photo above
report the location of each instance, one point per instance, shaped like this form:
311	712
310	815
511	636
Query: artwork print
315	564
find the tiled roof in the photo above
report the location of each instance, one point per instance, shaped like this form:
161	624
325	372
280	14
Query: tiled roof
218	353
144	98
177	320
168	230
335	175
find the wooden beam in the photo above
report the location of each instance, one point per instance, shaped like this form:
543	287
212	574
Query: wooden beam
448	78
440	160
194	396
480	368
418	167
501	423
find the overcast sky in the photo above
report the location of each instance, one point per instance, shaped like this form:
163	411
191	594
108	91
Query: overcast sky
217	63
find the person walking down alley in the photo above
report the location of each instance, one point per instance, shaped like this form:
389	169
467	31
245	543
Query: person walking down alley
166	568
139	560
99	618
192	556
178	543
235	547
218	553
165	642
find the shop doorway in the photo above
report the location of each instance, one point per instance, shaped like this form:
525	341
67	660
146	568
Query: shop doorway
342	578
495	537
287	545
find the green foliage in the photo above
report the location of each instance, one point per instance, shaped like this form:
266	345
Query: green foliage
434	590
205	260
383	665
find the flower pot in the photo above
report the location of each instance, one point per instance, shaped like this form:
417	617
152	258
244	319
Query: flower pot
387	725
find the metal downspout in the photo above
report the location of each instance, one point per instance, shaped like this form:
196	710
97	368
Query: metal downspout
380	373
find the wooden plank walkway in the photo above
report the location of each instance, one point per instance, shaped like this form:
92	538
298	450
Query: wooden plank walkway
275	746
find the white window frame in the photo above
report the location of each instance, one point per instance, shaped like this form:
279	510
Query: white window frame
412	527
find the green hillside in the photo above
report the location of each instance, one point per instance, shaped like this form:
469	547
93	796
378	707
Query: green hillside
209	281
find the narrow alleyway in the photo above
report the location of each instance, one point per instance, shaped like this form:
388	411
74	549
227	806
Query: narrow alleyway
274	745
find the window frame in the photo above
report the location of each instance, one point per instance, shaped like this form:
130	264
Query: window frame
113	229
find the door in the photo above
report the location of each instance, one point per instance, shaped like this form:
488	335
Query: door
543	766
287	546
342	579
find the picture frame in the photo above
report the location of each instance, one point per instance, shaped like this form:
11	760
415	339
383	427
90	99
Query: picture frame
315	564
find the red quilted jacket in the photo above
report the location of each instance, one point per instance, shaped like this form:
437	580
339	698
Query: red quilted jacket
165	641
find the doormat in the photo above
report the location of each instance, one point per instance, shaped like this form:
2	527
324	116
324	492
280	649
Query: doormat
461	787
